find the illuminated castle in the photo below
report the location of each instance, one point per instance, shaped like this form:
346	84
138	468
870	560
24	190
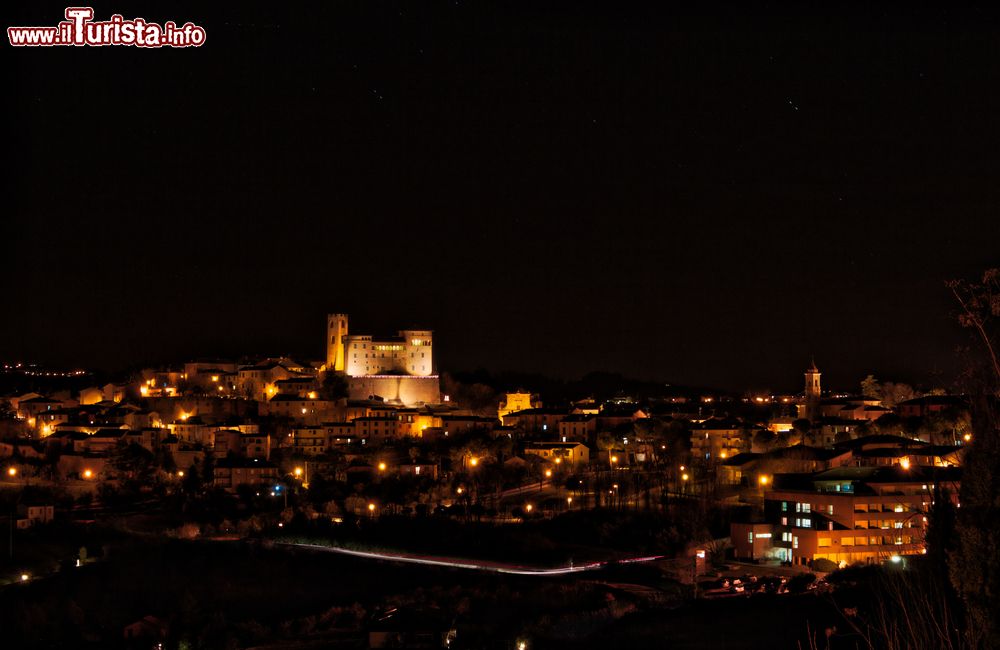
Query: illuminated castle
396	368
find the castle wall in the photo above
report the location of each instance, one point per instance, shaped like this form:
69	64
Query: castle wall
396	388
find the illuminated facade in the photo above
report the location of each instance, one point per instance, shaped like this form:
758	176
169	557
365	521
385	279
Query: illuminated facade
846	515
410	353
514	402
399	369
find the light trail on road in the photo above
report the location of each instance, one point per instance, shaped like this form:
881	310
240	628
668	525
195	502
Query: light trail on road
456	563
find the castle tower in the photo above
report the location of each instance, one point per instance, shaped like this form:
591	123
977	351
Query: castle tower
336	332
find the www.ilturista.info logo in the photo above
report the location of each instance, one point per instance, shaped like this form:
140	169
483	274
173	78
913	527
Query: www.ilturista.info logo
80	29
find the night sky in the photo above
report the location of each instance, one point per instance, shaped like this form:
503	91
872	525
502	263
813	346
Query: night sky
703	198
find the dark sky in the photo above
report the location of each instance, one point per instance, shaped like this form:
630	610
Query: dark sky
705	198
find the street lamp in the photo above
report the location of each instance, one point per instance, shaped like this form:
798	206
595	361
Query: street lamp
763	479
548	473
381	467
473	461
298	472
88	473
528	507
12	471
371	508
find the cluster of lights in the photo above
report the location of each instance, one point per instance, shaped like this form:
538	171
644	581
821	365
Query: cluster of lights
15	367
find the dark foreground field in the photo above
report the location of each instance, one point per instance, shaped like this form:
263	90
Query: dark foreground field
236	594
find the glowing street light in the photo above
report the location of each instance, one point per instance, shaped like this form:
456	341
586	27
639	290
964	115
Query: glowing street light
460	490
180	473
684	476
548	473
381	467
763	480
473	461
11	471
88	473
614	459
371	507
528	507
569	501
905	463
24	577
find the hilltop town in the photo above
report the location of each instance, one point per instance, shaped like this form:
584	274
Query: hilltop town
817	479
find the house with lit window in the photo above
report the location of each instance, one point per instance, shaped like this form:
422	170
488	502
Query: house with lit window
376	427
256	445
233	472
540	420
717	439
846	515
309	441
308	408
453	424
579	427
571	453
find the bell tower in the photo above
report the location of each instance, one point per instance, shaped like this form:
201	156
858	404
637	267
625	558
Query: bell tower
812	393
812	381
336	332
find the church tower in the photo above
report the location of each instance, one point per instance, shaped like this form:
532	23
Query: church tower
812	382
813	392
336	332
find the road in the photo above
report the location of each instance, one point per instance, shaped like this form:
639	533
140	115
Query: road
469	564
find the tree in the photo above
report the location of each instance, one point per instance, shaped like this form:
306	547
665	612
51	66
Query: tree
870	387
192	480
893	394
804	431
975	563
131	460
333	386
